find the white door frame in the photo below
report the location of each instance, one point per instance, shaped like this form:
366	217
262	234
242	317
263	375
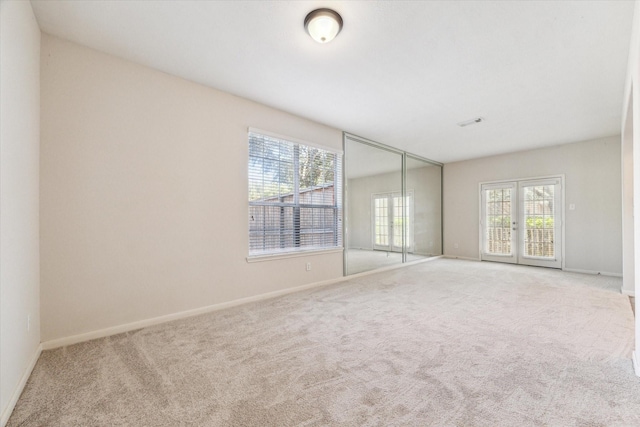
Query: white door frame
391	195
558	225
512	186
519	181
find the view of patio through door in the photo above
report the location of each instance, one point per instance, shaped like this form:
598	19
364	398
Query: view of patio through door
521	222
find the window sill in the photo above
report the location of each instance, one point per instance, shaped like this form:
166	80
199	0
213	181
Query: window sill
297	254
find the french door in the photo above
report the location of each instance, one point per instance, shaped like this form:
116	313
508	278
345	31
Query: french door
390	216
521	222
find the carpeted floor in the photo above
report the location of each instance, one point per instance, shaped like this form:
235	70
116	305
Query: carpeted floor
442	343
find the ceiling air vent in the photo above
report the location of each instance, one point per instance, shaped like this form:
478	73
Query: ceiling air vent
471	122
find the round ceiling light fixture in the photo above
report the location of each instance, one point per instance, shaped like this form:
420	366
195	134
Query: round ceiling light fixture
323	25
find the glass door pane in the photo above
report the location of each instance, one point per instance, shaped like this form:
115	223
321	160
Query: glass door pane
397	224
541	222
381	222
538	221
498	222
400	221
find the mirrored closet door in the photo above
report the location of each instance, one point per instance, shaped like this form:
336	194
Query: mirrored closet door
393	206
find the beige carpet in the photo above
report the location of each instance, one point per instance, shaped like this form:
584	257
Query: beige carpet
443	343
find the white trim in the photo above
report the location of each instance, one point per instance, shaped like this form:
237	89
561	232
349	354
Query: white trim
20	388
127	327
101	333
563	248
514	187
425	254
296	254
480	221
601	273
460	257
295	140
532	178
632	62
568	270
624	291
636	363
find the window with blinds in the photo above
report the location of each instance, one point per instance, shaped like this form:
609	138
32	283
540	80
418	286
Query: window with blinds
294	196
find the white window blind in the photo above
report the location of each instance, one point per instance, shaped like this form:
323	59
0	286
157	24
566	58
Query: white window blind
294	196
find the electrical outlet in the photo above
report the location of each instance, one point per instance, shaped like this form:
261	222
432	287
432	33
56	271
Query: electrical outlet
455	246
308	266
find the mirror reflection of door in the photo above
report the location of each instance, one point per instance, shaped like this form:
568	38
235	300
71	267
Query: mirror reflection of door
376	213
389	217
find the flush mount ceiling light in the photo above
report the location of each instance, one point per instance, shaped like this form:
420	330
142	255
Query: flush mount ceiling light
471	122
323	25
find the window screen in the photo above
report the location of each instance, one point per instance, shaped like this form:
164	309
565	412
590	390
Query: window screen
294	196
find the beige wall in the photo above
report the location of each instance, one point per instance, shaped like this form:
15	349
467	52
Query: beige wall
144	194
19	164
592	172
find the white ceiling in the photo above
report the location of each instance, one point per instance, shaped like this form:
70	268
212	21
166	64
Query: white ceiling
401	72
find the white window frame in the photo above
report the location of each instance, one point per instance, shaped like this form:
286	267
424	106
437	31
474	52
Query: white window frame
295	247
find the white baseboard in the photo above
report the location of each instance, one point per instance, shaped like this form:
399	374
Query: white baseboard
602	273
636	363
461	257
101	333
570	270
18	391
628	292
